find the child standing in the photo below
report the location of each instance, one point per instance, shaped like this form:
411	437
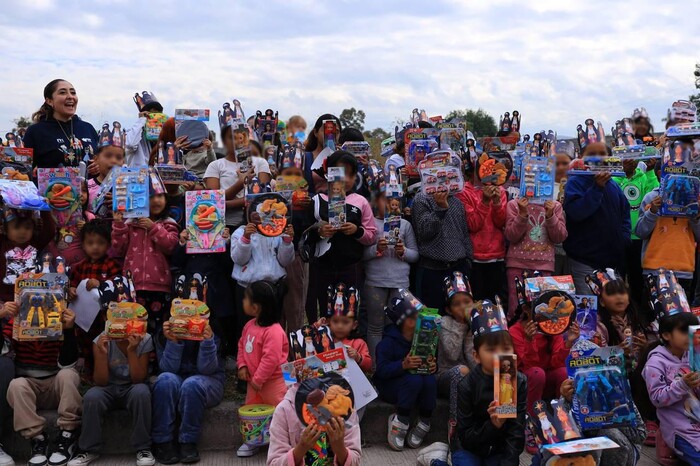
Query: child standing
262	349
396	385
121	369
341	317
533	231
481	436
107	157
146	243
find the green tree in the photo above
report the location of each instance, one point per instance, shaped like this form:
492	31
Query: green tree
375	138
479	122
351	118
22	122
695	98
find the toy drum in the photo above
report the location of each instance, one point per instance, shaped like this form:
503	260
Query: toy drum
255	424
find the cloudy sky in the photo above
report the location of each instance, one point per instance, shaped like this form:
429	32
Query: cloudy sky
557	62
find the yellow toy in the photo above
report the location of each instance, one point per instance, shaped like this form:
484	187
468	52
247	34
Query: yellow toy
36	307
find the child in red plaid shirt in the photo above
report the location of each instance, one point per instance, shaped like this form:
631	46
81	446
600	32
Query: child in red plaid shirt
96	237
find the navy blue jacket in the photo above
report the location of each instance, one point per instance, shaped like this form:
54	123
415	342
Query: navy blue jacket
48	139
597	221
390	353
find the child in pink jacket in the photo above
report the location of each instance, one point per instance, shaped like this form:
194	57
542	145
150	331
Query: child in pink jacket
262	349
533	230
288	448
146	244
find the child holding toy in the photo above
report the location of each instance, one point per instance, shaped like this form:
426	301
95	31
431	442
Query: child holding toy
146	244
121	370
108	156
191	380
397	385
138	148
481	437
533	230
262	349
342	321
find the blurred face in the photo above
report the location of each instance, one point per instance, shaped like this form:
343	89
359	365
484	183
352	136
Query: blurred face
486	353
249	308
677	339
64	100
227	141
380	205
562	166
349	176
157	204
409	324
95	246
292	171
20	231
616	303
109	157
83	193
641	126
342	326
459	305
254	150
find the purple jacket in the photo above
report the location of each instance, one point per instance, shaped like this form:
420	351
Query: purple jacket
672	397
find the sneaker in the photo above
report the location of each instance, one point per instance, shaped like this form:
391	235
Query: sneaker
144	458
530	444
437	451
397	433
166	453
64	448
83	458
40	451
417	434
189	453
246	450
652	427
5	459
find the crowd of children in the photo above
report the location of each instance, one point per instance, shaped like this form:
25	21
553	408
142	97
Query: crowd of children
464	255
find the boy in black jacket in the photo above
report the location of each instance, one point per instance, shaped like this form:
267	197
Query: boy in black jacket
481	438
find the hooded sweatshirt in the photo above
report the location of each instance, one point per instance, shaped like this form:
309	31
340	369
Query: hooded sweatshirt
486	223
455	345
635	189
260	257
597	221
672	397
49	139
390	353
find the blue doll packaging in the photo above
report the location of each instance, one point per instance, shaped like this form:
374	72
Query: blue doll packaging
586	314
602	395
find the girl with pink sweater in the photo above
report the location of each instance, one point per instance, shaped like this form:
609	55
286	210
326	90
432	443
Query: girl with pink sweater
262	349
532	230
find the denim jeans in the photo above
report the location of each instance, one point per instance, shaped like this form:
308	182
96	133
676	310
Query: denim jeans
188	397
686	451
579	271
467	458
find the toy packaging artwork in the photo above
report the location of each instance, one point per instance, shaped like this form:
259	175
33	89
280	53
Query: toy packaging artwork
42	299
419	142
315	365
330	134
309	340
667	296
494	168
505	385
537	179
360	149
19	262
270	212
536	285
17	155
125	318
441	171
425	340
205	214
170	165
592	164
320	399
61	188
497	143
586	314
602	392
198	114
130	193
680	186
553	312
154	125
694	352
21	194
188	319
392	211
295	187
453	136
336	196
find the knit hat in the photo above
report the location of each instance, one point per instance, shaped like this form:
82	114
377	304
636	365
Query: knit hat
456	283
115	137
147	102
488	317
403	307
342	301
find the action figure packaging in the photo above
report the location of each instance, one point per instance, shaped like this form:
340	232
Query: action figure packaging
425	340
42	299
538	285
309	340
505	385
680	186
586	314
441	171
602	394
419	142
336	196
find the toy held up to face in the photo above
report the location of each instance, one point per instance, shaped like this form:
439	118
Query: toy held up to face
318	400
553	312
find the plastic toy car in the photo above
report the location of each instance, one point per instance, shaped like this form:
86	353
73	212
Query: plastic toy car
430	190
442	188
430	179
442	174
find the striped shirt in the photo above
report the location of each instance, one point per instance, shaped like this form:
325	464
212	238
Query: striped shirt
442	234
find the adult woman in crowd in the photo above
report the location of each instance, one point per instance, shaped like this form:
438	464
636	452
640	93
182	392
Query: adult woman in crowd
58	136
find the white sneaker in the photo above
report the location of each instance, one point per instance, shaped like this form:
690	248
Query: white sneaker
64	448
245	450
145	458
396	434
40	448
83	458
5	459
417	434
434	451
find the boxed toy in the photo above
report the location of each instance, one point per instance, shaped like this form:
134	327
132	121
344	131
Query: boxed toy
694	352
392	212
553	312
537	179
419	142
297	186
125	318
497	143
360	149
130	192
315	365
42	299
336	196
602	394
308	341
270	212
198	114
505	385
425	340
21	194
205	216
453	136
494	168
154	125
330	134
586	314
536	285
188	319
61	187
441	171
17	155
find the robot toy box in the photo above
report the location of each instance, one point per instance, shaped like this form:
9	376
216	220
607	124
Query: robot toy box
42	299
602	394
680	186
425	340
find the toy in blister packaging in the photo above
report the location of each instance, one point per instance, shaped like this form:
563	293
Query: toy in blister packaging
535	286
154	125
270	212
336	196
682	111
297	186
17	155
586	315
19	262
494	168
453	136
418	142
130	192
205	214
679	197
694	352
320	399
613	164
42	299
392	210
265	125
125	318
588	133
169	155
232	115
360	149
198	114
330	134
425	340
497	143
537	179
22	195
61	188
667	296
309	340
315	365
553	312
15	171
684	130
505	385
188	319
602	394
441	172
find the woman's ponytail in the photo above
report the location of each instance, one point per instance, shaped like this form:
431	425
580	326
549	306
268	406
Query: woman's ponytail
46	111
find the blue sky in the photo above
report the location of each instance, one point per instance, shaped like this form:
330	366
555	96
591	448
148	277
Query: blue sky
557	62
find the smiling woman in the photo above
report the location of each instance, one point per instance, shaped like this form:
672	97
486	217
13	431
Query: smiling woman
58	136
